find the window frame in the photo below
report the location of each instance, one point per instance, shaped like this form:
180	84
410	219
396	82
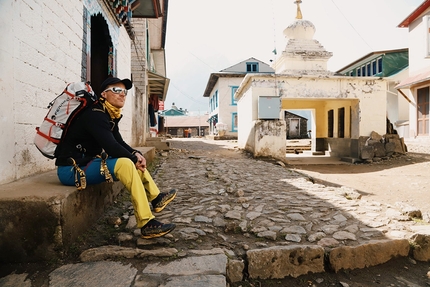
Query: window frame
233	91
423	113
374	68
233	126
427	21
379	65
252	67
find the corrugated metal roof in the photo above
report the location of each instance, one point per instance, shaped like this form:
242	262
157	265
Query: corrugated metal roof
369	56
414	80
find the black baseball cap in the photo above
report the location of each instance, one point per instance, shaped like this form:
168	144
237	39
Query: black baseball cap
111	80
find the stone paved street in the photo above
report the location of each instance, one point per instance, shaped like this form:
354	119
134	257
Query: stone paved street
257	217
236	197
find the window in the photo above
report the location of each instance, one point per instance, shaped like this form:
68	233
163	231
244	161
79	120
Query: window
358	72
330	123
380	65
213	103
423	111
428	36
374	72
251	67
363	71
233	91
341	123
369	70
234	122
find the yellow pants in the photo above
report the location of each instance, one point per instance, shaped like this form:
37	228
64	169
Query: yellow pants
141	187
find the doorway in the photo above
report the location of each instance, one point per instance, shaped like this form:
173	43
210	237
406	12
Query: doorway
101	56
298	130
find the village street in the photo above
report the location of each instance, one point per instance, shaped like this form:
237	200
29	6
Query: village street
231	204
402	179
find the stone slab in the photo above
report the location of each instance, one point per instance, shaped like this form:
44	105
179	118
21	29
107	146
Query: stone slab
103	273
210	264
282	261
158	143
16	280
39	216
181	281
366	255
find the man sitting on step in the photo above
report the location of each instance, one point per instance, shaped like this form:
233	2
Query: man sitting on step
95	133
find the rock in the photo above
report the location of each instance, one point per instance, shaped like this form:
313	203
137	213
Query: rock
366	255
421	247
235	270
279	262
114	220
111	251
367	152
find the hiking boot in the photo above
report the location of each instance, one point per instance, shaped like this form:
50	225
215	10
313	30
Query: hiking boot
155	229
163	199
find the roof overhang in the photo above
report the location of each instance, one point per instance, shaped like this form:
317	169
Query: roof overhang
158	85
414	80
370	56
146	9
415	14
213	79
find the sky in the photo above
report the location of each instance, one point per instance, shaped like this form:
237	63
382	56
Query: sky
204	36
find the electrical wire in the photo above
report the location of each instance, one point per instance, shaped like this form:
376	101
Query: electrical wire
352	26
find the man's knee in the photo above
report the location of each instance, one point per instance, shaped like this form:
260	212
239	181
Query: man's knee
124	163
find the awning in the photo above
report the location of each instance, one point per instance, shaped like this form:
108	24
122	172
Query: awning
146	9
158	85
411	81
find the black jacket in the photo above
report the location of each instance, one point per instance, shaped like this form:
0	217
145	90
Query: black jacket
92	132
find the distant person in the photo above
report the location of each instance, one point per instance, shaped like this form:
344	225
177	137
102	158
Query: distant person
96	130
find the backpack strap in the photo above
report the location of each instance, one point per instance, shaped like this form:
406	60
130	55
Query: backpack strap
80	179
103	167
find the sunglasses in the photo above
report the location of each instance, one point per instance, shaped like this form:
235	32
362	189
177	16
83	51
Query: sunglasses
117	90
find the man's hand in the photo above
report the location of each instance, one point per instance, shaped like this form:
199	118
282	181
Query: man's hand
141	162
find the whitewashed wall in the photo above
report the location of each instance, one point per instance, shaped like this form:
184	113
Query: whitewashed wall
419	62
418	44
247	114
40	52
335	92
124	71
226	109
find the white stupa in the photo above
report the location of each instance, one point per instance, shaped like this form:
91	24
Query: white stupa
302	54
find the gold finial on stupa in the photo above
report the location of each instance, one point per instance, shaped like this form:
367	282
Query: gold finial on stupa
299	12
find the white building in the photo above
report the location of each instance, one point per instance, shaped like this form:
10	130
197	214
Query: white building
220	90
417	86
345	110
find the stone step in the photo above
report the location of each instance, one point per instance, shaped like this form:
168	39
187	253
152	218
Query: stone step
39	216
160	144
297	149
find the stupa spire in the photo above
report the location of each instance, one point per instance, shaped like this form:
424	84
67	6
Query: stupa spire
299	12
